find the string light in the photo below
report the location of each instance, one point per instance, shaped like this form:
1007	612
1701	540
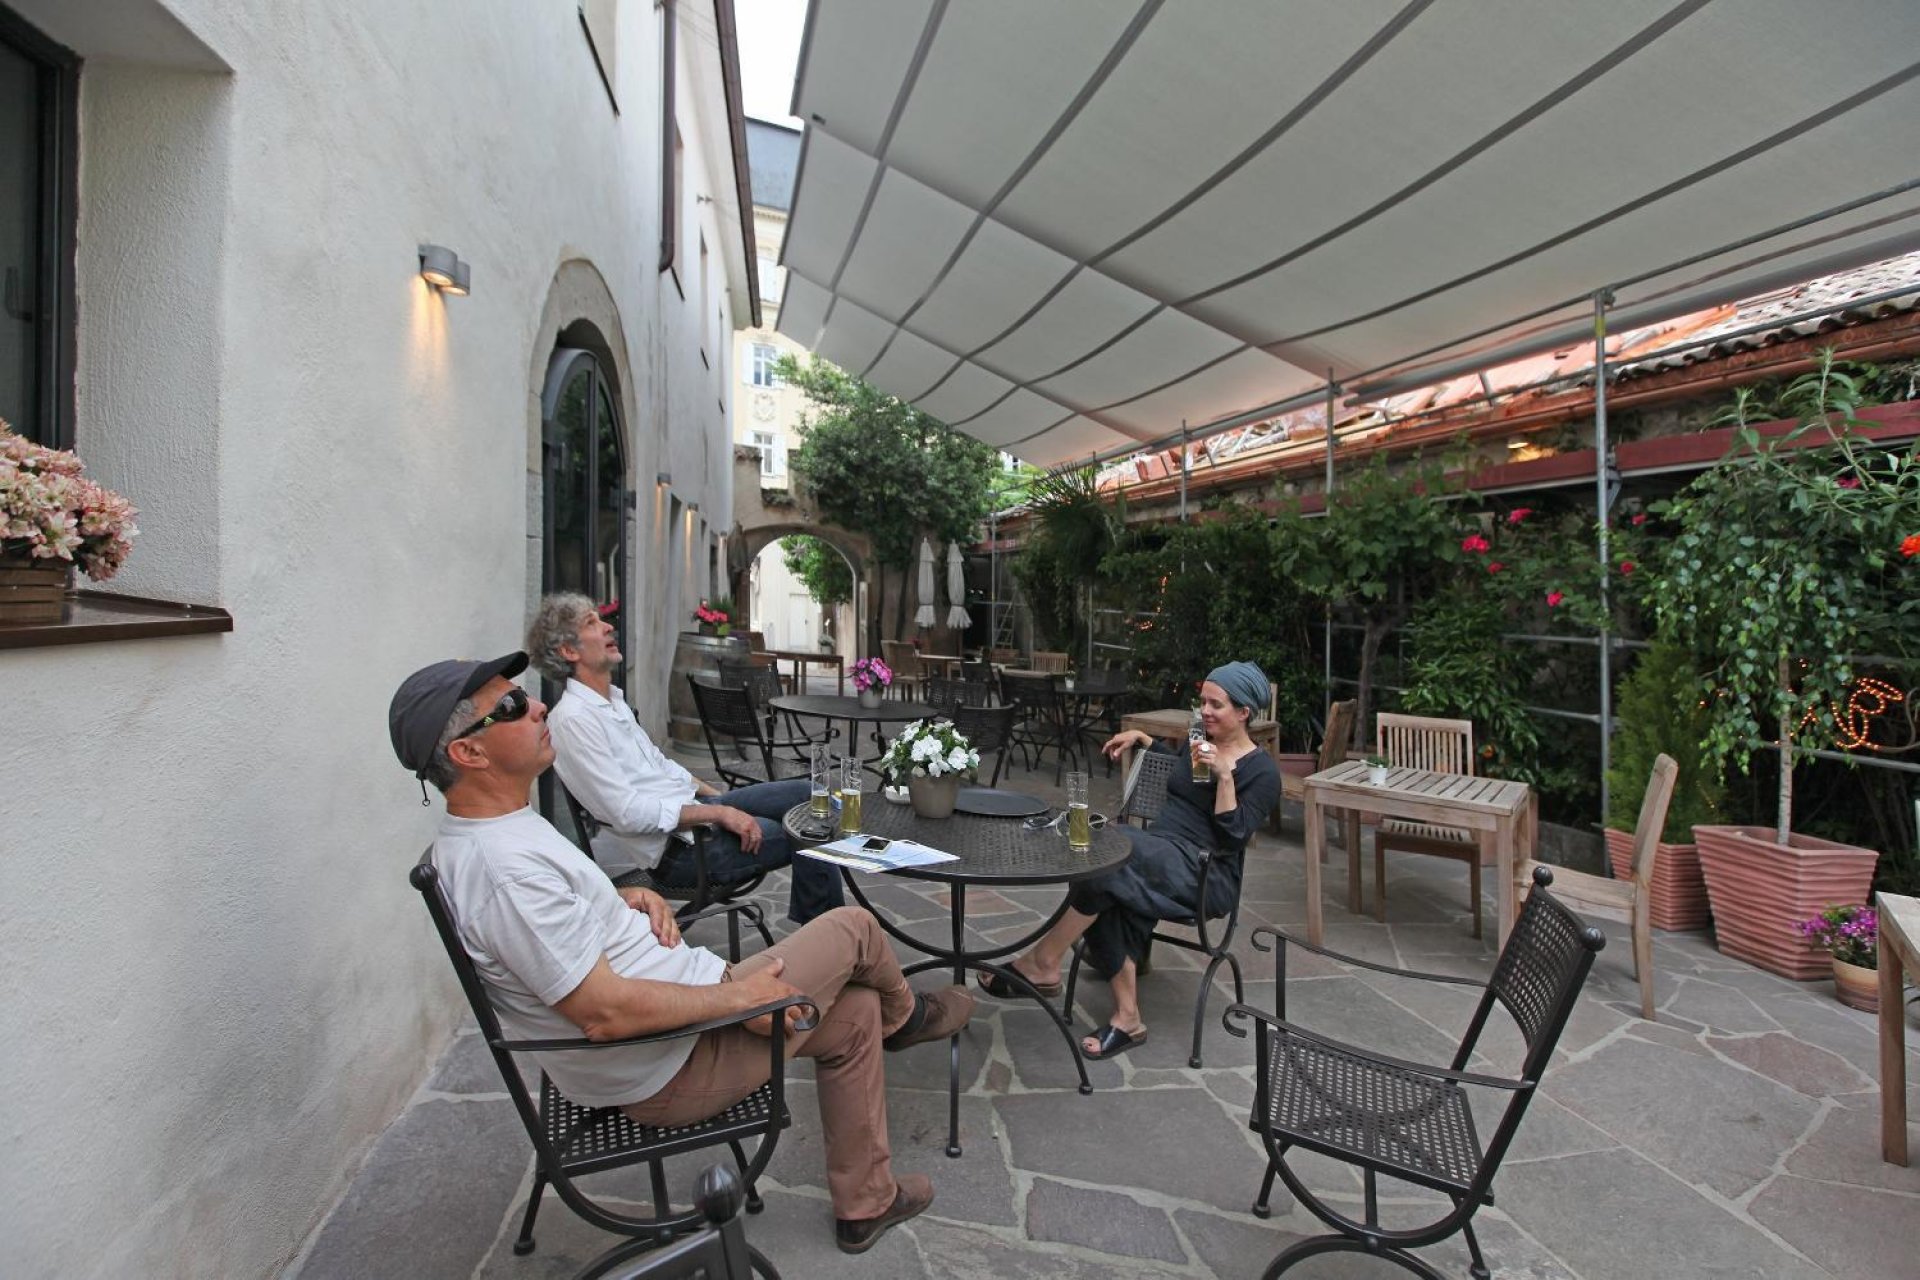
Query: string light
1868	699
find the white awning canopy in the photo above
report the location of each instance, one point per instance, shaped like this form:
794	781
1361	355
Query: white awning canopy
1071	227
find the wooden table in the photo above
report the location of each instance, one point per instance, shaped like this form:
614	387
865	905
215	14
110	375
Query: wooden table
1899	947
802	659
1501	813
944	662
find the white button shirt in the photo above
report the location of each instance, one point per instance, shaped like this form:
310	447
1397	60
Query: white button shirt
612	768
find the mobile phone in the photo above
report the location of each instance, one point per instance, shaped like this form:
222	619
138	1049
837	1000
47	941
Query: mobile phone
874	844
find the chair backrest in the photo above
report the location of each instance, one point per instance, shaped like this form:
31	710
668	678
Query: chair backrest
1333	748
756	641
980	672
729	713
1147	785
1051	661
901	656
1004	656
1538	973
426	878
1653	817
1029	693
986	728
1425	742
939	691
583	822
760	681
717	1251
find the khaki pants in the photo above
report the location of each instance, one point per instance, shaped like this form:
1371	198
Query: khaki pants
842	961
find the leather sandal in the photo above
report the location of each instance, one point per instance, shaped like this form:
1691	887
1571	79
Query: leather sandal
1113	1042
1001	989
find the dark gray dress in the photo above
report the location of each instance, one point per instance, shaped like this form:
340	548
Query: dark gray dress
1161	881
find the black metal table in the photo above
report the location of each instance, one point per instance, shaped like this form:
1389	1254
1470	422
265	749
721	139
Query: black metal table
990	851
831	707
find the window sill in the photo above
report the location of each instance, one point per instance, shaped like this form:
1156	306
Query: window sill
93	616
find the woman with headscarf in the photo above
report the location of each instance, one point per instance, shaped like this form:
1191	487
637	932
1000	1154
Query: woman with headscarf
1116	912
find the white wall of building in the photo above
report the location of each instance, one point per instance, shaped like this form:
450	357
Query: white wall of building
219	986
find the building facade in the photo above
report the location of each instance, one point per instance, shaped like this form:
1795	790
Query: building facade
220	985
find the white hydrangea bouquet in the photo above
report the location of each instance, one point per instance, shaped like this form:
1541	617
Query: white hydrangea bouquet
929	749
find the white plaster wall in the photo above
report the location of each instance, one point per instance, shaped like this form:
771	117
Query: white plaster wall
218	986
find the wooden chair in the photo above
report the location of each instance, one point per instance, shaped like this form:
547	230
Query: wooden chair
1628	900
1051	661
1440	746
1333	749
756	641
904	659
1146	794
1414	1122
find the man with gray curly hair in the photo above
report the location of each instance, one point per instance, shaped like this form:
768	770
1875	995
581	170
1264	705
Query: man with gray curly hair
644	800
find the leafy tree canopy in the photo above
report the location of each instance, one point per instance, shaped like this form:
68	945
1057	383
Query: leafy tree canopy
877	466
822	569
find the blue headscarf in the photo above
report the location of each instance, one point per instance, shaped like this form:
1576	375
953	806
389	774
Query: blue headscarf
1244	683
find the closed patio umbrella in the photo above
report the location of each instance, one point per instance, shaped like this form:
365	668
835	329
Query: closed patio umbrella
956	590
923	616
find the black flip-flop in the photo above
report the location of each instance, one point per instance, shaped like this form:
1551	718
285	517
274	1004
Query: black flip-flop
1001	989
1113	1042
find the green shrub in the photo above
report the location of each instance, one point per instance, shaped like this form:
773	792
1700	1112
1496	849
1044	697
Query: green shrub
1659	710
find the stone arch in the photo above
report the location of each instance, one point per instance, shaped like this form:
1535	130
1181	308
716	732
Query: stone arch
758	523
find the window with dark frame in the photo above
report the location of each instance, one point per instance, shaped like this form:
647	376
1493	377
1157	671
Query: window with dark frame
39	83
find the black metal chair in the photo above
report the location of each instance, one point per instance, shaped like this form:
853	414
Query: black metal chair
946	694
1407	1120
730	714
717	1251
986	729
1146	793
980	672
699	898
763	683
1039	720
571	1141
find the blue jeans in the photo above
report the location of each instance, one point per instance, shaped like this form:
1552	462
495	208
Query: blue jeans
816	887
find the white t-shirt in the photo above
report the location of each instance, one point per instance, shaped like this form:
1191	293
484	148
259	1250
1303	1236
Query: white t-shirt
612	767
536	914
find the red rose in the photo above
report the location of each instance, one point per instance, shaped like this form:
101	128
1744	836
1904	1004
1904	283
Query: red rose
1495	567
1626	566
1554	598
1910	545
1640	519
1475	543
1518	514
1848	482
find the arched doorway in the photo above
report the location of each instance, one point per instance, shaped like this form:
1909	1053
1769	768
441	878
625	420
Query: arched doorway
803	588
584	501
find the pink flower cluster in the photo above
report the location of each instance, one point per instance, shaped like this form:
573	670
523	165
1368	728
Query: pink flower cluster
1849	934
50	511
871	673
708	614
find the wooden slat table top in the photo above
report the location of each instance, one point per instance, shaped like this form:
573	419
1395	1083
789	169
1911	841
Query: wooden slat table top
1447	792
1900	915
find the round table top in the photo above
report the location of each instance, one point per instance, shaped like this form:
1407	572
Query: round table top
847	707
990	850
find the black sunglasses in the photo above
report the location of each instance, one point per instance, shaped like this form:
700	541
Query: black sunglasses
513	704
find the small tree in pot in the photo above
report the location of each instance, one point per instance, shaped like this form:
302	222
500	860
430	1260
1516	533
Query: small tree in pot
1785	561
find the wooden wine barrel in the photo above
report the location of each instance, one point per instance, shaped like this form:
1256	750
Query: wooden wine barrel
695	654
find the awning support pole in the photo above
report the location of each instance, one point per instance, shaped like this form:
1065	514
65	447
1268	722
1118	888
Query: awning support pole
1183	470
1603	500
1326	643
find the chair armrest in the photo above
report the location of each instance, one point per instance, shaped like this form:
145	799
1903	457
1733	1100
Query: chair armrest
659	1037
1285	937
749	909
1416	1068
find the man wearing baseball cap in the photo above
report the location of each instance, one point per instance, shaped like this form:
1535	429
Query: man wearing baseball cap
563	952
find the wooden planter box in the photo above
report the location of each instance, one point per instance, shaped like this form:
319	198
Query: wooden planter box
1760	890
1678	893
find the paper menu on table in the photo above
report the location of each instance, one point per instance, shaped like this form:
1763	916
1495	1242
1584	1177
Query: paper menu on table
852	851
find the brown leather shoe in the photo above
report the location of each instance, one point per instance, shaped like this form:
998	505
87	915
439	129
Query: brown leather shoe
936	1015
912	1193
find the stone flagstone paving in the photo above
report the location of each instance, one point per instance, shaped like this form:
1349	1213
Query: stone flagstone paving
1737	1136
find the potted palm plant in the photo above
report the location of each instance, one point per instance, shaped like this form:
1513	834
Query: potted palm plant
1784	562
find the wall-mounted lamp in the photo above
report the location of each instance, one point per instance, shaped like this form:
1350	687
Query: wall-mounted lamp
693	506
1517	443
442	268
663	477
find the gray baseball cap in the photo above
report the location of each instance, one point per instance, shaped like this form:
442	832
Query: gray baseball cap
425	700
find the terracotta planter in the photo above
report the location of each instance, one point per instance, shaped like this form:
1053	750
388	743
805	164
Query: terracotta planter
33	590
934	797
1857	986
870	698
1678	893
1760	891
1294	764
